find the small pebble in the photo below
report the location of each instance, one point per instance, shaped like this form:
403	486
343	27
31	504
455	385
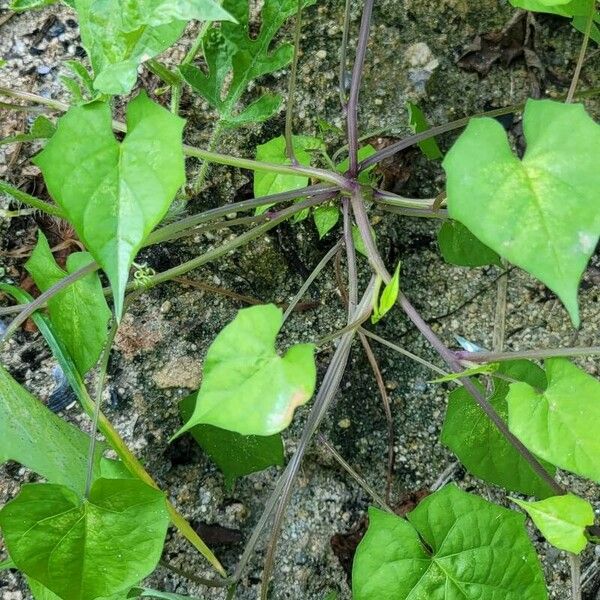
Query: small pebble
57	29
43	70
344	423
321	54
165	307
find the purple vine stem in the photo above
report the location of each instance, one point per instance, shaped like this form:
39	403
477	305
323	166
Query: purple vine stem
361	51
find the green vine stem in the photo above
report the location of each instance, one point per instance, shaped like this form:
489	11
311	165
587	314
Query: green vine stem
17	194
583	50
240	240
27	310
169	232
289	109
113	437
538	354
446	354
187	59
452	125
197	185
101	378
41	300
207	155
403	351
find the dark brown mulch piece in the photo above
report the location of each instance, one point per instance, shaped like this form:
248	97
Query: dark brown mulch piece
515	40
217	535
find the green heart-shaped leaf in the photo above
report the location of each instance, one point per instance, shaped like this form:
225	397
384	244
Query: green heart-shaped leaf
453	546
114	193
562	520
557	424
540	213
247	387
478	444
119	35
81	550
236	455
325	218
79	313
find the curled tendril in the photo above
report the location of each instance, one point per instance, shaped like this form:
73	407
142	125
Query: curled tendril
142	275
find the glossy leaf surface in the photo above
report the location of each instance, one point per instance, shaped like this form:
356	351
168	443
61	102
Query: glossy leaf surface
81	550
35	437
234	58
474	549
556	424
115	193
79	313
247	387
478	444
460	247
119	35
236	455
539	213
562	520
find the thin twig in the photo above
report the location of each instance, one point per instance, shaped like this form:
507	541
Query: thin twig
539	354
581	59
384	504
41	300
446	354
575	563
236	242
383	197
289	111
25	310
25	198
7	17
450	358
386	409
187	59
350	258
500	314
217	583
343	58
167	232
200	285
216	157
315	273
411	140
403	351
215	136
352	326
101	377
323	401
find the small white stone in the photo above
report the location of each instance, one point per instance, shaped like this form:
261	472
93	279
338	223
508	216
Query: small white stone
321	54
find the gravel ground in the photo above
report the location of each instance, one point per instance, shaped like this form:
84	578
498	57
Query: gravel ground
159	351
